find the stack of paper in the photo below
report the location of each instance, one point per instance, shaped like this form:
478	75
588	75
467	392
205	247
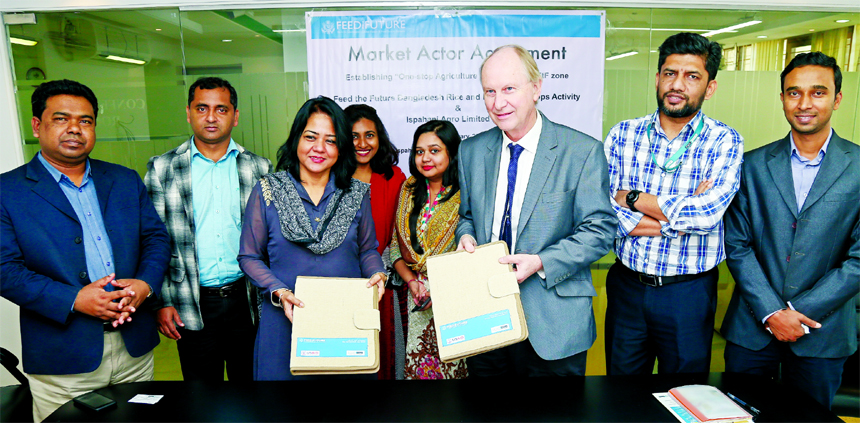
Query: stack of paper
476	302
337	331
702	403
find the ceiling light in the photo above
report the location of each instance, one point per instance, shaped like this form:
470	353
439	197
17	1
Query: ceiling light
762	36
22	41
289	30
812	30
158	29
842	21
126	60
226	41
730	28
618	56
663	29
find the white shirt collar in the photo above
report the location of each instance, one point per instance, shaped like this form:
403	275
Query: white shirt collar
530	140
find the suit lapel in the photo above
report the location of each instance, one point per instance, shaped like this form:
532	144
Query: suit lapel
836	160
779	165
104	184
182	167
46	187
544	160
491	170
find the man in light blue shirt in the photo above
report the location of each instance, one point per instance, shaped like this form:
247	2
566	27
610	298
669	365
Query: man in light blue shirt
199	189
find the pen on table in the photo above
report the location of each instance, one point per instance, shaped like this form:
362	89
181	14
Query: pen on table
805	327
743	404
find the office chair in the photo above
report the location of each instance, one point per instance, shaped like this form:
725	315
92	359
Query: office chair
16	402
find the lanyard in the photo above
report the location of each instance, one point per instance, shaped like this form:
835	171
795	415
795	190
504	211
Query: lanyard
674	162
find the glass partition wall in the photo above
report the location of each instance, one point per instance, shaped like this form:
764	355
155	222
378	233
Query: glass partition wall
139	63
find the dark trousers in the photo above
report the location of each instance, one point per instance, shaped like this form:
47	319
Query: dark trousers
818	377
521	360
673	323
227	337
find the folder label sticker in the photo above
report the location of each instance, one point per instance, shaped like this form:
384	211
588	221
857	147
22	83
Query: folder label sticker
476	327
331	347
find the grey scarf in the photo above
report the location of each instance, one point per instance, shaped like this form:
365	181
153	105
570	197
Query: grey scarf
295	222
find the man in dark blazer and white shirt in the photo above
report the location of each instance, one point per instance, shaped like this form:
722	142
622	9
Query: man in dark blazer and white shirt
793	242
555	218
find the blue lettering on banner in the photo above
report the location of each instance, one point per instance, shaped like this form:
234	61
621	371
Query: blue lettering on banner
431	26
331	347
476	327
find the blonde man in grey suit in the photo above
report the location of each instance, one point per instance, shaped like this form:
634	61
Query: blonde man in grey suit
793	242
539	186
200	189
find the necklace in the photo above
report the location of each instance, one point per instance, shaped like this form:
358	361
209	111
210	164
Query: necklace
429	209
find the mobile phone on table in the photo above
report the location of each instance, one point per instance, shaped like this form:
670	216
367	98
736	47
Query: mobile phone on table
94	401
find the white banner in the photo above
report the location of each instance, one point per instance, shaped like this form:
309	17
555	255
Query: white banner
416	66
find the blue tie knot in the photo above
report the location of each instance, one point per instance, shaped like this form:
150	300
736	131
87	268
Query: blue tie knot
516	150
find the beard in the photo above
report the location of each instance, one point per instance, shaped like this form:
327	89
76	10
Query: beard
689	109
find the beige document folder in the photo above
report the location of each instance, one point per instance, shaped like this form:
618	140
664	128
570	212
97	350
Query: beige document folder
337	331
476	302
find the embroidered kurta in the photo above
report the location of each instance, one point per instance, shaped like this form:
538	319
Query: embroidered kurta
422	352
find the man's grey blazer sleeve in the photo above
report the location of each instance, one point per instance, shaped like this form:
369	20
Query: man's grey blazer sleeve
837	287
595	223
750	278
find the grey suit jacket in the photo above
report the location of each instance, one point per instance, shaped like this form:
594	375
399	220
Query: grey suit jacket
566	219
168	180
811	258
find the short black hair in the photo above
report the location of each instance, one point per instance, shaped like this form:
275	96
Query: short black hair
695	44
46	90
386	154
211	83
344	167
815	58
449	136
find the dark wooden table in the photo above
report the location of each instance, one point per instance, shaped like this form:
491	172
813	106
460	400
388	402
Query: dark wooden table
589	399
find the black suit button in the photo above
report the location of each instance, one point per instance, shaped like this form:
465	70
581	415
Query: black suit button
78	240
82	275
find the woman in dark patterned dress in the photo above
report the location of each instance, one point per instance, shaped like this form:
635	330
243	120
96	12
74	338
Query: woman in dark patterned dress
426	219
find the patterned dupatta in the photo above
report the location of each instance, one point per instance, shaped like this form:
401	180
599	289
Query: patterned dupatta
439	236
296	226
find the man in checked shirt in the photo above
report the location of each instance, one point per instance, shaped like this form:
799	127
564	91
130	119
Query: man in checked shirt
672	175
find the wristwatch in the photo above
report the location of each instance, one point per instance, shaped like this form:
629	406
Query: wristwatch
631	198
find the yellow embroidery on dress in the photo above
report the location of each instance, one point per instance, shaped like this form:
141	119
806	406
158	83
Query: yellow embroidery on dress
267	191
